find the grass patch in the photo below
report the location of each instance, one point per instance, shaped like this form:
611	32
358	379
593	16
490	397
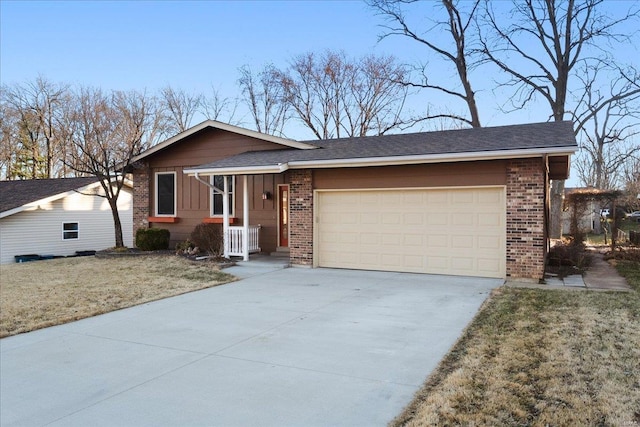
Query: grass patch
36	295
541	357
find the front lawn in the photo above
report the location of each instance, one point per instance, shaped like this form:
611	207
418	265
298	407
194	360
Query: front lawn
541	357
39	294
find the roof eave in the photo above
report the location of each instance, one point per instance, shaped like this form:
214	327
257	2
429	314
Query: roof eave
34	205
387	161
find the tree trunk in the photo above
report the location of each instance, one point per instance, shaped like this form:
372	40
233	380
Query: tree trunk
117	224
555	216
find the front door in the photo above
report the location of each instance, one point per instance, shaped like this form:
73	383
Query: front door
283	216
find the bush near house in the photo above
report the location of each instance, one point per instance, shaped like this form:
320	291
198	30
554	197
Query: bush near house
152	239
208	238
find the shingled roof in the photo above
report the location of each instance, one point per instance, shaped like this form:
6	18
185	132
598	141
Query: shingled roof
554	137
14	194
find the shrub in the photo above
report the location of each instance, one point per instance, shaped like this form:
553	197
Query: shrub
568	257
209	238
152	239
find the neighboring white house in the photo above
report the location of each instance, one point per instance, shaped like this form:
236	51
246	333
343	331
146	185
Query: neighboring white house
59	217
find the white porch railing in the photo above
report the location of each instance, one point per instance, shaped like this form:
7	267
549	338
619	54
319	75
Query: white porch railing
235	240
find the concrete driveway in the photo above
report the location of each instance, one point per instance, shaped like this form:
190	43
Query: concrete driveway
280	347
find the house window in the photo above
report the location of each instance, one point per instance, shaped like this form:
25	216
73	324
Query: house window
70	230
166	194
216	204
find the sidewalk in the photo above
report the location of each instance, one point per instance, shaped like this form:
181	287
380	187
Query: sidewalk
600	276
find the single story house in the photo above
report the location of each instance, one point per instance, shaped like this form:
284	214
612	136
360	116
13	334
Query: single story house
471	202
59	217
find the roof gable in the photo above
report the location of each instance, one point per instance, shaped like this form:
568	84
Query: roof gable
286	143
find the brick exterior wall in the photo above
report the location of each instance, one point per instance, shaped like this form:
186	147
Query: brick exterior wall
526	236
140	198
300	216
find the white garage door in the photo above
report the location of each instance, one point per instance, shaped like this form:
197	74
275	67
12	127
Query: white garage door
439	231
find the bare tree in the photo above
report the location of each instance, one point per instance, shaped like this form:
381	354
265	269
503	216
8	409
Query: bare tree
8	138
218	107
265	98
457	21
180	108
632	184
37	107
609	119
336	97
540	49
110	129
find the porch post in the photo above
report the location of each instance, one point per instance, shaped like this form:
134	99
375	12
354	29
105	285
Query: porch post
225	216
245	218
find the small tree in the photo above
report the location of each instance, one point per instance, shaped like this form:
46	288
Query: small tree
109	130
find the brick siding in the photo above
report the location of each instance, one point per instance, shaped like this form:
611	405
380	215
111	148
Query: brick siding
301	216
526	237
141	185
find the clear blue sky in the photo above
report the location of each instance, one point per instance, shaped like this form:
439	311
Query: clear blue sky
190	45
194	45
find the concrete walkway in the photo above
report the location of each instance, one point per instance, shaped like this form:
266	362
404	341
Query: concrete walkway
281	347
600	276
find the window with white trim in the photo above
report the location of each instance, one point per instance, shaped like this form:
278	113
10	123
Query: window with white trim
70	231
216	198
165	194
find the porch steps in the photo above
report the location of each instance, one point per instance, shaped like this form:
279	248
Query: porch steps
281	253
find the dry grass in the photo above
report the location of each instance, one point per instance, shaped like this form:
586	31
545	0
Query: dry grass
39	294
541	358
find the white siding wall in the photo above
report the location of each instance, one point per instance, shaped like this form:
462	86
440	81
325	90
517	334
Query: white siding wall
40	231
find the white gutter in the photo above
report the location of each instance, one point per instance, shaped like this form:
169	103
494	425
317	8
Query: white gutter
242	170
386	161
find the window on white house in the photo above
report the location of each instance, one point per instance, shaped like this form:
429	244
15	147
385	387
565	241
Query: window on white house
216	204
70	230
166	194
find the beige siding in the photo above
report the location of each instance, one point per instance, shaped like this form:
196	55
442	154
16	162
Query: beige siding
40	231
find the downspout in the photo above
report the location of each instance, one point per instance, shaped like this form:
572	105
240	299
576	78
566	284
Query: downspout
225	209
547	208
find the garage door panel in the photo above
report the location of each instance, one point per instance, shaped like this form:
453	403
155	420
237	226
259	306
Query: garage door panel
369	218
448	231
413	219
463	220
462	242
413	240
437	219
391	218
489	220
437	241
462	197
